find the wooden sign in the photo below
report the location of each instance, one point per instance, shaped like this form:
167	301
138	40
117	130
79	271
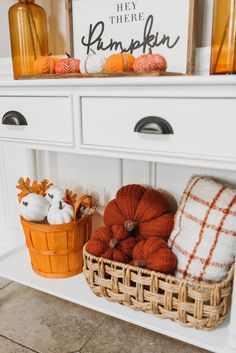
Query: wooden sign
114	26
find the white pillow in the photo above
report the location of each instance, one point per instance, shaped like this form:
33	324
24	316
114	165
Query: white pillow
204	234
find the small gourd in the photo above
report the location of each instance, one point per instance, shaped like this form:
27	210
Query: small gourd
119	63
150	62
154	254
67	65
92	64
45	65
34	207
60	214
112	243
54	195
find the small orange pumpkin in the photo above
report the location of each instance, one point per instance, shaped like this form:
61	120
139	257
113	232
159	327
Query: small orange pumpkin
45	65
67	65
150	62
141	211
112	243
155	255
119	63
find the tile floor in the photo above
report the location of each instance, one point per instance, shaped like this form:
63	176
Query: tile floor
31	321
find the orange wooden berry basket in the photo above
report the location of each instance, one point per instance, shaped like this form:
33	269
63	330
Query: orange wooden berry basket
56	251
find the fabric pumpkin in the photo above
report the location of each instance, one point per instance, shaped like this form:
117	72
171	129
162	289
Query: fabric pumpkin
67	65
92	63
154	254
150	62
119	63
34	207
45	65
61	214
54	195
204	234
141	211
112	243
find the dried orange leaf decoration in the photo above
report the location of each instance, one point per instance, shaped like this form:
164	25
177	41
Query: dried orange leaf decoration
70	198
44	186
27	188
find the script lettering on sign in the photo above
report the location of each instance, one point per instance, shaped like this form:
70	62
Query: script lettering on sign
127	12
109	27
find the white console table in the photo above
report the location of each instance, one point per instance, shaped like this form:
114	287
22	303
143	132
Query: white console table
98	117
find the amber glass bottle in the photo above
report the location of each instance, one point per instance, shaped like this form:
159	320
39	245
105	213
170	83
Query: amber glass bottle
223	53
29	36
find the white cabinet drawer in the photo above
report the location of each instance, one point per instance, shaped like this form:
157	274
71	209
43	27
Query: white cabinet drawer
49	119
203	127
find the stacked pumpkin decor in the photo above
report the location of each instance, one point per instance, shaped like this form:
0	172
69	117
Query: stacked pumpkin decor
138	223
181	267
56	226
94	63
45	203
47	65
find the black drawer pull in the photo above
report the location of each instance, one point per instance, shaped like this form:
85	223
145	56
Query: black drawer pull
14	118
154	125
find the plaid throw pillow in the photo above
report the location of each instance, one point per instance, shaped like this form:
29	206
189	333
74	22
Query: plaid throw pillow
204	234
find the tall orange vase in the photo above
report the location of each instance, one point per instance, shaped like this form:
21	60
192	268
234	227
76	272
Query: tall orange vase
223	54
29	35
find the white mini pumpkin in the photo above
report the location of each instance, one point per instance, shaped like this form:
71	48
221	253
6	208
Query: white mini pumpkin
60	214
92	63
54	195
34	207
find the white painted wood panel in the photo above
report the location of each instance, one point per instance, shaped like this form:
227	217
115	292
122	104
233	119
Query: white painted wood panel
110	122
136	172
175	178
49	119
15	162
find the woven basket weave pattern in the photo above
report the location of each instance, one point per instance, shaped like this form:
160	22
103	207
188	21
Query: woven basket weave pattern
192	304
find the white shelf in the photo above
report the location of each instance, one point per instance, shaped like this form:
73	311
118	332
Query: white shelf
195	80
16	266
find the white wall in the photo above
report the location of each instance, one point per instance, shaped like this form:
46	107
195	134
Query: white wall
58	32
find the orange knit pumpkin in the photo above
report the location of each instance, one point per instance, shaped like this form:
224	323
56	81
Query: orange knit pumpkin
154	254
119	62
141	211
150	62
67	65
112	243
45	65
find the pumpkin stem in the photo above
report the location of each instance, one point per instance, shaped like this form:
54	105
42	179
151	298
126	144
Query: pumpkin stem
25	203
150	50
68	55
113	243
50	54
139	263
60	206
130	226
92	51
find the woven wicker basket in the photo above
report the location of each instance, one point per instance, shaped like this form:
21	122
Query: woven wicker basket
56	250
192	304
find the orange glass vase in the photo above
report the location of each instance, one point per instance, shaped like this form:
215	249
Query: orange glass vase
223	52
29	36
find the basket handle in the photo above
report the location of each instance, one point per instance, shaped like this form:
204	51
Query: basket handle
85	201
